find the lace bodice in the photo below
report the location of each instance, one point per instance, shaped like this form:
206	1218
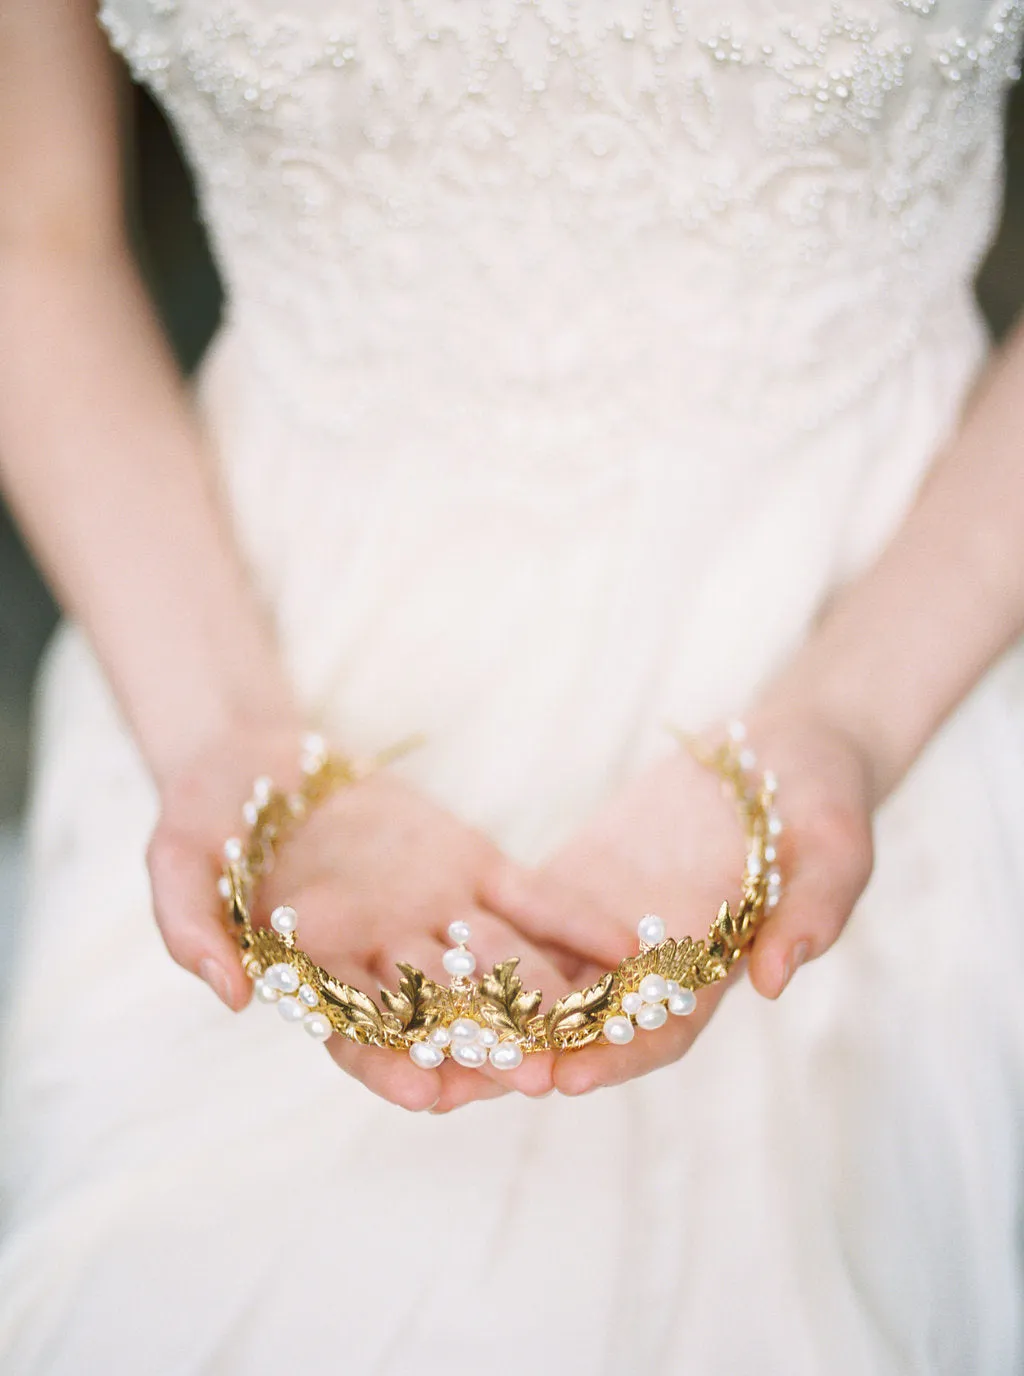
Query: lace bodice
560	194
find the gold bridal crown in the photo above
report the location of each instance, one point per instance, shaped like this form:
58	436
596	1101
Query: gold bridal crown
491	1018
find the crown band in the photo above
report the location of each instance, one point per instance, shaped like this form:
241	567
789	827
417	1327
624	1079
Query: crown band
492	1019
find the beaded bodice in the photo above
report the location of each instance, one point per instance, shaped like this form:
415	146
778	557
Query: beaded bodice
559	196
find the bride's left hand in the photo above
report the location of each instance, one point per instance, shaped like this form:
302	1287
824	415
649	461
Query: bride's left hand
670	842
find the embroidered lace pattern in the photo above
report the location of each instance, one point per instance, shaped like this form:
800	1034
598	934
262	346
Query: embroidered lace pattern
535	192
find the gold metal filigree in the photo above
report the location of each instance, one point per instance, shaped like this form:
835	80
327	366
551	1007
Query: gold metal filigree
504	1005
419	1010
576	1020
418	1005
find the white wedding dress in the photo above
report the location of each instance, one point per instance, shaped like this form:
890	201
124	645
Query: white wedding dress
575	351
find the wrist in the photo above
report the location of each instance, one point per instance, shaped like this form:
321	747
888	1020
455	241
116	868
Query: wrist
224	726
221	764
797	705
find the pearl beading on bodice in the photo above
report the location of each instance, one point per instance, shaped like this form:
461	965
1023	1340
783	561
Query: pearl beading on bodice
535	193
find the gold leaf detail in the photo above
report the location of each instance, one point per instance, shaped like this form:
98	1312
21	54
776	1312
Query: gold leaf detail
691	963
358	1011
502	1001
416	1005
656	961
575	1018
724	926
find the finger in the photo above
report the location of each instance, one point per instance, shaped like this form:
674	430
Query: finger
462	1086
421	950
189	913
393	1076
387	1073
384	1072
495	940
426	953
492	942
816	902
807	921
572	966
534	1077
548	908
600	1064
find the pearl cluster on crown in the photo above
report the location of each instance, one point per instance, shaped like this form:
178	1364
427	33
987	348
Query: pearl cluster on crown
469	1041
490	1019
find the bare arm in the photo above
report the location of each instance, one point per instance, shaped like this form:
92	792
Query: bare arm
102	459
100	456
904	643
897	651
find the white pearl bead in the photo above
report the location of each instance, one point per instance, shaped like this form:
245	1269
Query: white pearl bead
747	760
470	1054
459	933
673	987
282	977
317	1026
284	920
265	992
770	781
682	1003
261	790
291	1009
632	1003
424	1055
250	813
652	1015
488	1037
618	1030
440	1036
224	886
651	929
772	901
774	825
313	744
464	1030
753	866
769	853
506	1056
233	849
653	989
308	995
459	961
774	879
736	731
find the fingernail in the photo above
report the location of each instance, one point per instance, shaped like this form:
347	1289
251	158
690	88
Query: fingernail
794	960
216	977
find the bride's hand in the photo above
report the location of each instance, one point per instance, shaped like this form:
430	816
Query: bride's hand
671	843
376	874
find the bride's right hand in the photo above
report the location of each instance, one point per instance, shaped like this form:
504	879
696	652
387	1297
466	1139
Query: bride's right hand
376	874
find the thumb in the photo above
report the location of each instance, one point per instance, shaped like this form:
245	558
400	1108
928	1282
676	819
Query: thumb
183	877
810	917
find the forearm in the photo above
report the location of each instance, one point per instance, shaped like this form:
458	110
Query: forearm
900	647
104	465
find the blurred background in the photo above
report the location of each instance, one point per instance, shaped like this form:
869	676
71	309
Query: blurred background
184	284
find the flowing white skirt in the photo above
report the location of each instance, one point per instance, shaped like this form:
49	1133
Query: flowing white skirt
830	1184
